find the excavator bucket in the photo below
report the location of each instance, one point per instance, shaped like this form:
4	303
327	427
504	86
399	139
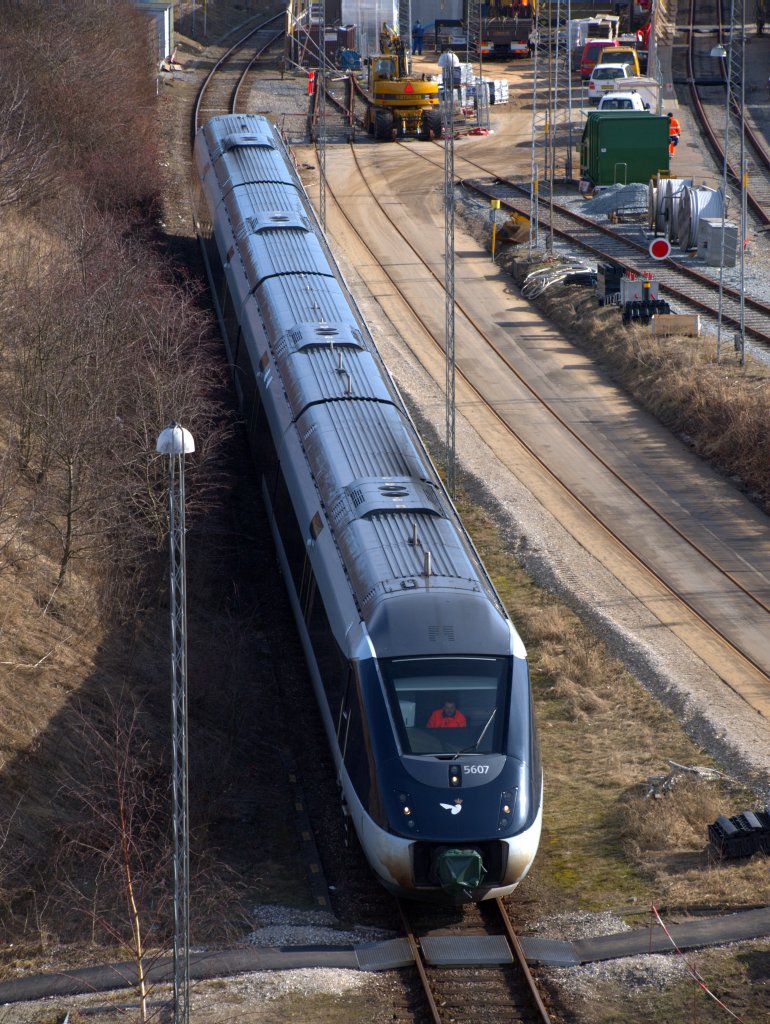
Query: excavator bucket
515	230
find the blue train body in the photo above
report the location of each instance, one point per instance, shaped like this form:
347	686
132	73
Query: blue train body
394	608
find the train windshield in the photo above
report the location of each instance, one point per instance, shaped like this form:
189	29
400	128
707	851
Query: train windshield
449	705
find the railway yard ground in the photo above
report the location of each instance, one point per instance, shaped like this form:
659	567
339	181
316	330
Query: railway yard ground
622	702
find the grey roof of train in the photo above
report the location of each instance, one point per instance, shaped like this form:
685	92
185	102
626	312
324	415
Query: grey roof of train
393	524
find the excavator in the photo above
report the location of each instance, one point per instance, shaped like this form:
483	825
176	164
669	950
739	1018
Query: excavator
402	103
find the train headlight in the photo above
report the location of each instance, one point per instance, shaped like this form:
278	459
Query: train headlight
407	811
507	806
455	775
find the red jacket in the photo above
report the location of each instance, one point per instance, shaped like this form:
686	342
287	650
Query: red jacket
438	720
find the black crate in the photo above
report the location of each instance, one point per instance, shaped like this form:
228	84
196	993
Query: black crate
740	836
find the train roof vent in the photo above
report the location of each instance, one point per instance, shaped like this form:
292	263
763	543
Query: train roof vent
245	140
278	220
319	335
379	497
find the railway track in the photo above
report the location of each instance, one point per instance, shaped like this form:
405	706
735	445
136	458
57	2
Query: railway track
755	593
496	993
623	244
706	79
504	991
225	84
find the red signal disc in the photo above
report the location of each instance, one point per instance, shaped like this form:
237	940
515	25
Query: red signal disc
659	248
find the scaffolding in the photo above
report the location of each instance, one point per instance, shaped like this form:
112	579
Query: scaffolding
551	106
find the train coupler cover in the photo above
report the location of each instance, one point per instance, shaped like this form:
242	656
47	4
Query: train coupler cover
460	871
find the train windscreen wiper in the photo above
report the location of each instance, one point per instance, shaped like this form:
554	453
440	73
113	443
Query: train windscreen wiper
474	747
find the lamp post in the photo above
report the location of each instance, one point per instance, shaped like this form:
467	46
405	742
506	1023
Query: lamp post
744	186
721	52
176	442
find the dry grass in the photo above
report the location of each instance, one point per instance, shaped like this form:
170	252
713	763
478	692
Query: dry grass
603	736
721	409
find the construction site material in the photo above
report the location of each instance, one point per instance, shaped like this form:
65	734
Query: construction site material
741	836
676	323
664	199
697	203
718	241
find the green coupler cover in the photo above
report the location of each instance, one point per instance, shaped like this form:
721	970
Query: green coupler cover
460	871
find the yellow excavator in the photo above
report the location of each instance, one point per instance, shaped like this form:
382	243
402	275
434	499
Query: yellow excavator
402	103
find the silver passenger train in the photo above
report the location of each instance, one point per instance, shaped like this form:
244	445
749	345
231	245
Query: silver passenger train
421	678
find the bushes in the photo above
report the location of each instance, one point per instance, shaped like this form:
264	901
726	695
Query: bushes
77	96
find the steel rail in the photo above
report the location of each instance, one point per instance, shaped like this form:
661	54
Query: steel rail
414	946
521	961
228	56
346	110
669	272
521	1005
761	158
608	530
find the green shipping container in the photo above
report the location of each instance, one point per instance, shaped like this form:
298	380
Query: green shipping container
619	146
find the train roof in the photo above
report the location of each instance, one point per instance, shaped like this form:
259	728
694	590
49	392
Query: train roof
395	530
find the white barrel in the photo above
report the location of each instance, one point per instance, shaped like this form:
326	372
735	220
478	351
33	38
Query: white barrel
696	203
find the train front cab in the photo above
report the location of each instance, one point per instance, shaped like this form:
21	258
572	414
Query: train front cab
460	808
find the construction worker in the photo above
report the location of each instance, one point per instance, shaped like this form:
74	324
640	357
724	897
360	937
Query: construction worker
674	133
417	33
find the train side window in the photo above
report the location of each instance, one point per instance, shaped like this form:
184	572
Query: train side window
355	755
332	665
291	535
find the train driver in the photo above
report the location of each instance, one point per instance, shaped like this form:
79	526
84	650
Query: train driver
448	716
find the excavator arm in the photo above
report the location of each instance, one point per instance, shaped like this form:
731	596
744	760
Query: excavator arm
392	44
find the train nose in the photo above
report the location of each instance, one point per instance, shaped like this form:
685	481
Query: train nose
460	871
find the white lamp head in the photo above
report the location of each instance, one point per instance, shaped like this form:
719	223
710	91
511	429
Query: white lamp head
175	440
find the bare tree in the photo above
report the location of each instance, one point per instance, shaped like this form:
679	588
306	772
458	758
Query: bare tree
115	860
26	170
76	116
104	351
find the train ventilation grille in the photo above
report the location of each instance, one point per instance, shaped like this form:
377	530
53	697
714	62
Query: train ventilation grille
267	220
246	140
441	633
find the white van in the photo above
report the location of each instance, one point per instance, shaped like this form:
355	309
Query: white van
604	78
622	101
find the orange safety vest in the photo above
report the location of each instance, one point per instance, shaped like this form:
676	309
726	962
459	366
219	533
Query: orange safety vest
674	128
438	720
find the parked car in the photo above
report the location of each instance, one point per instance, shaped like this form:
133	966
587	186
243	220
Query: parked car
621	55
591	52
622	101
604	78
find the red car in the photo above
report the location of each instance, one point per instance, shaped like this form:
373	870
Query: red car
591	51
